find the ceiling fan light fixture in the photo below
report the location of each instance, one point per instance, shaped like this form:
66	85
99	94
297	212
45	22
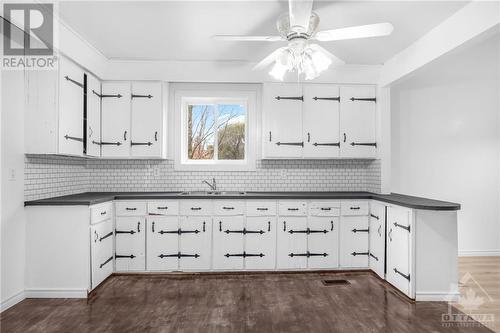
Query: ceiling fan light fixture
278	71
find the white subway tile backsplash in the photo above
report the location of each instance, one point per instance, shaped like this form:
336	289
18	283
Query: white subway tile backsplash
48	176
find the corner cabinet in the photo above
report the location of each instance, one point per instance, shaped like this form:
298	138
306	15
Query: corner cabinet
323	121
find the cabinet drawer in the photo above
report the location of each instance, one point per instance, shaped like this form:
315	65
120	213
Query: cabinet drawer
292	208
101	212
196	207
354	208
324	208
130	208
229	207
261	208
164	207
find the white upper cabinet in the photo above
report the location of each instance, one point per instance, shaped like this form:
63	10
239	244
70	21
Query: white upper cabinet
93	116
147	119
71	108
321	121
115	132
358	122
282	114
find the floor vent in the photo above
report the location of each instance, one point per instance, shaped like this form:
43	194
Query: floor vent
335	282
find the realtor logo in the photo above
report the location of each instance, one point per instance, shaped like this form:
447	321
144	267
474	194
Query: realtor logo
36	20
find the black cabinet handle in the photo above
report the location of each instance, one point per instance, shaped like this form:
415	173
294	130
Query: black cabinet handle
106	236
195	208
345	137
352	99
375	217
67	137
258	208
326	208
297	98
104	263
132	96
403	275
293	209
355	208
103	213
140	143
125	136
104	143
204	226
360	230
128	208
373	256
308	137
228	208
153	226
117	232
138	226
156	136
96	236
308	254
107	96
372	144
390	234
407	228
268	226
379	230
270	136
284	225
118	256
220	226
360	254
337	99
331	229
332	144
162	207
74	81
290	144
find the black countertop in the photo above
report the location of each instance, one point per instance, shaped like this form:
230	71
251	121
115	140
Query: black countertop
91	198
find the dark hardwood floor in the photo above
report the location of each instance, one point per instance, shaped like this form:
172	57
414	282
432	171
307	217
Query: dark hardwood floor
233	303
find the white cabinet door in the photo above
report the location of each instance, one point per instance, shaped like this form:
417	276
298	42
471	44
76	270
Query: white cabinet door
260	242
162	243
71	95
130	244
323	242
377	238
321	121
194	243
358	122
399	248
354	241
282	116
292	242
101	251
115	110
93	116
228	242
147	119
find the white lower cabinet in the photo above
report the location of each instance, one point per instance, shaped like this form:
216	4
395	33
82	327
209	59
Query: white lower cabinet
260	242
399	248
292	242
130	244
354	242
195	242
101	249
377	238
228	242
162	243
323	242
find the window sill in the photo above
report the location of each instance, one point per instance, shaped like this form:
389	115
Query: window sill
214	167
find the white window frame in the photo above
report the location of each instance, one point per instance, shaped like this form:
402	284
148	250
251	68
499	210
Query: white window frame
212	94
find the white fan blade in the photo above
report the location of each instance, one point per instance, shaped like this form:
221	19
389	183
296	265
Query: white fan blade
269	59
360	31
336	61
300	14
248	38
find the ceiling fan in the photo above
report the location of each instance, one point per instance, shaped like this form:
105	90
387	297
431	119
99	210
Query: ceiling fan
298	27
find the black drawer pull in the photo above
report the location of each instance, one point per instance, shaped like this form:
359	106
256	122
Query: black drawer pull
360	254
244	255
106	236
360	230
74	82
104	263
124	232
293	209
104	143
308	231
373	256
372	144
228	208
326	208
160	207
178	231
103	213
244	231
308	254
67	137
107	96
375	217
297	98
403	275
179	255
117	256
290	144
268	226
337	99
140	96
352	99
355	208
332	144
262	209
140	143
128	208
195	208
407	228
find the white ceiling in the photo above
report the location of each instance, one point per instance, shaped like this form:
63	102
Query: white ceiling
182	30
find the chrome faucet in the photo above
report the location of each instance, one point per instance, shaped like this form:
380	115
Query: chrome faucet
213	185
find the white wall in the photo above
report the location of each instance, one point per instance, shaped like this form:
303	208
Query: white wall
446	139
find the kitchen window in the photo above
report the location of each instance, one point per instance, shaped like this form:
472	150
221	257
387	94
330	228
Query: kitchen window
215	130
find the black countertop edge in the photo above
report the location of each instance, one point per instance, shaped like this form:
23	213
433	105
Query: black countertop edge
92	198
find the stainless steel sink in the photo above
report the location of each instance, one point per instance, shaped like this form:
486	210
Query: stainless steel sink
214	193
